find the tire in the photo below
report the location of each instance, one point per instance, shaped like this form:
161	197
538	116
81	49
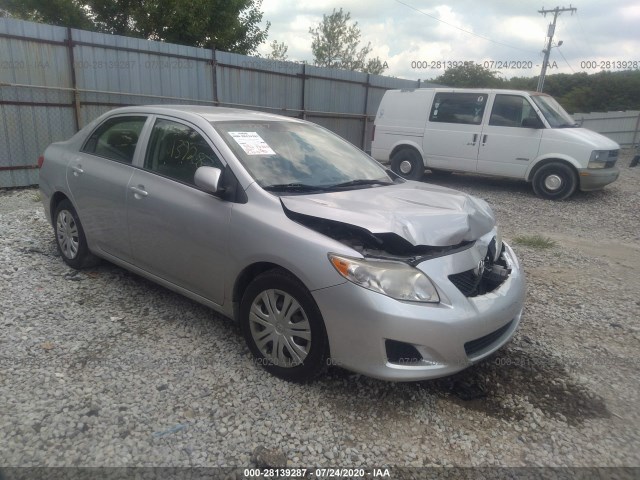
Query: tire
295	354
555	181
70	237
408	163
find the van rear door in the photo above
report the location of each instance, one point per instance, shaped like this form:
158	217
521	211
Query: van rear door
511	137
452	131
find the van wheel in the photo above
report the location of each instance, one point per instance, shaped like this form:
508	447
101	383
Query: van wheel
408	164
555	181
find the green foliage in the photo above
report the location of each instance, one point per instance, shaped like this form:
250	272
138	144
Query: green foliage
471	76
278	51
577	92
58	12
336	44
230	25
374	66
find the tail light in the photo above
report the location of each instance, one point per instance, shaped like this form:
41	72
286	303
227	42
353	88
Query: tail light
373	133
40	161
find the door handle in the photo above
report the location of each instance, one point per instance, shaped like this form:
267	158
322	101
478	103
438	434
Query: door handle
77	170
484	139
139	191
473	142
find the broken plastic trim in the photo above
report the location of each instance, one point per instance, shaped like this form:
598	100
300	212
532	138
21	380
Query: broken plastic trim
382	246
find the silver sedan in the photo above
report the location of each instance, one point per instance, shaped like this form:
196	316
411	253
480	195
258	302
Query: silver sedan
322	255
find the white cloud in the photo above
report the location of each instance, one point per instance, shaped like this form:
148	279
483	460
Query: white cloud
400	35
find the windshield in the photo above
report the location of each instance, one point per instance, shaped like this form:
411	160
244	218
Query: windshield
291	156
553	111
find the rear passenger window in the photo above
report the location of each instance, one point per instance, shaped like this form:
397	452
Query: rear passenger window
116	138
511	110
177	151
466	108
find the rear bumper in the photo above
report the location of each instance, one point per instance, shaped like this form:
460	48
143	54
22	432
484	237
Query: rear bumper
595	179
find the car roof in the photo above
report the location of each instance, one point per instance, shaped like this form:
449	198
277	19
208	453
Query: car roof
209	113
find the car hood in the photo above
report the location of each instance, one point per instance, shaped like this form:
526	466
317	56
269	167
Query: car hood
420	213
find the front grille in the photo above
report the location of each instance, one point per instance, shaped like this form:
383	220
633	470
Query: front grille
481	343
467	282
486	277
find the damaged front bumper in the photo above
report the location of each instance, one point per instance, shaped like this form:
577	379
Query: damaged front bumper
378	336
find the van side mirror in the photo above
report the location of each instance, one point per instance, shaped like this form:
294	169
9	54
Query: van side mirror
532	122
208	179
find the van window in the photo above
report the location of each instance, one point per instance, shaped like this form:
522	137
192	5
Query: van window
510	111
466	108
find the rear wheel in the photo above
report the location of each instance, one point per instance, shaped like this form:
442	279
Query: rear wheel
283	327
70	238
408	164
555	181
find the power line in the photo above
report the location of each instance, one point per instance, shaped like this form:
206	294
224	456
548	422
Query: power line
565	60
462	29
584	35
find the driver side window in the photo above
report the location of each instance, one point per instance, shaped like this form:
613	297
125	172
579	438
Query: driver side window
511	111
177	151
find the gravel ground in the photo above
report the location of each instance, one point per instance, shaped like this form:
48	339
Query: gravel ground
103	368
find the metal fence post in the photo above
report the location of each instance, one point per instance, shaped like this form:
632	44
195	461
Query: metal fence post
366	114
303	112
72	66
214	72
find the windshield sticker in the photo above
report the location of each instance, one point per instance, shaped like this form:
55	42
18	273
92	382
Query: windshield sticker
252	143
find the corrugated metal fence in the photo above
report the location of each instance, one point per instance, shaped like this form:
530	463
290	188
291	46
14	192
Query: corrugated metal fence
54	80
622	127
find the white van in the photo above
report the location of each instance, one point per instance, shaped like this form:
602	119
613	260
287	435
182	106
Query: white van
509	133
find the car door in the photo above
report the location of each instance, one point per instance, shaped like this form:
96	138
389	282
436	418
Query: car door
98	176
511	139
177	231
452	132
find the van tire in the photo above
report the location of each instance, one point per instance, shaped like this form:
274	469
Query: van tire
555	181
408	163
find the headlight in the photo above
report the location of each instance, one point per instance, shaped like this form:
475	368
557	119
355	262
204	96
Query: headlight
598	158
394	279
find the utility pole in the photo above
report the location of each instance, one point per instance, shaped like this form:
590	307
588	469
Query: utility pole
552	29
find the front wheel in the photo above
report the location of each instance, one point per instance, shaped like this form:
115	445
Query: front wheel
555	181
70	238
283	327
408	164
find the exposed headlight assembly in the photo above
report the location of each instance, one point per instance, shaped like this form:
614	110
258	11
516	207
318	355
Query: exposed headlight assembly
394	279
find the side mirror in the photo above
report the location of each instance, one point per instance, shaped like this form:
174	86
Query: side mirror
532	122
208	179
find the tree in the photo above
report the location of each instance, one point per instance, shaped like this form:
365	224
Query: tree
58	12
471	75
374	66
230	25
278	51
336	44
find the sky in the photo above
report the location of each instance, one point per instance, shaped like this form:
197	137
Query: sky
504	35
